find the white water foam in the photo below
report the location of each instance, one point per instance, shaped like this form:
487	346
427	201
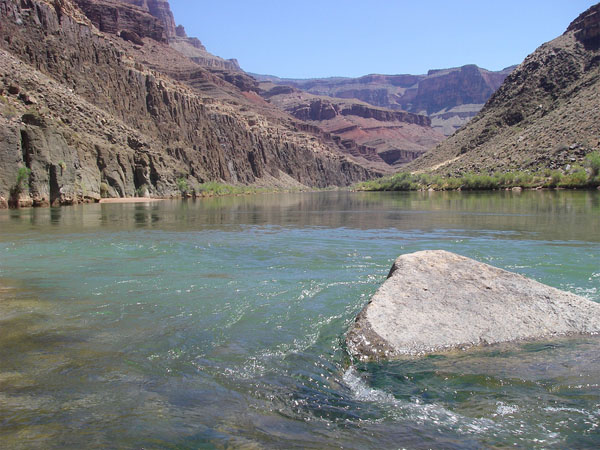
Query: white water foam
416	411
505	410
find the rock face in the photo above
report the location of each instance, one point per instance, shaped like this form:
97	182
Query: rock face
161	10
449	97
92	114
394	137
545	114
587	28
178	38
116	17
434	301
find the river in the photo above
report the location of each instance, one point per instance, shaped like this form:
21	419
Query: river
220	323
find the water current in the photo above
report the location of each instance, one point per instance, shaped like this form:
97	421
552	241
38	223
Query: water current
220	323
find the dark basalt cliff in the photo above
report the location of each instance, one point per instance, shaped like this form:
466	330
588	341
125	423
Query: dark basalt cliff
87	116
116	17
161	10
546	114
587	28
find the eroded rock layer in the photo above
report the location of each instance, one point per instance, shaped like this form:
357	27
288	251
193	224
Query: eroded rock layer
449	97
395	137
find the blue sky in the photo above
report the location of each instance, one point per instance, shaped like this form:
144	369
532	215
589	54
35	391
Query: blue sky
353	38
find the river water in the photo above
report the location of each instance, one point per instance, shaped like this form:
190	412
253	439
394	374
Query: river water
220	323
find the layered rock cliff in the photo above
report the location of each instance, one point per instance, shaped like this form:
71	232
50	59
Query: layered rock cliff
161	10
396	137
116	17
449	97
546	114
85	113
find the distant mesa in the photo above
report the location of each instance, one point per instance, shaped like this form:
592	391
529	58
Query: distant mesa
449	97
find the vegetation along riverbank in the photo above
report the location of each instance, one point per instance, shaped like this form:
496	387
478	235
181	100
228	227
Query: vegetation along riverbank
573	177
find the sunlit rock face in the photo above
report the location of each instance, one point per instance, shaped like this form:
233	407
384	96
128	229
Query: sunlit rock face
437	301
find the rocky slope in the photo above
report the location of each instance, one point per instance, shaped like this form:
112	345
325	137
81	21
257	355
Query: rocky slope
90	113
396	137
546	114
450	97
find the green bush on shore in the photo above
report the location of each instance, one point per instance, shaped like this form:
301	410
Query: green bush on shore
213	188
577	177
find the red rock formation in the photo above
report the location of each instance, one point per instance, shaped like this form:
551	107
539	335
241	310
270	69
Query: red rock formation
396	137
444	89
450	97
384	115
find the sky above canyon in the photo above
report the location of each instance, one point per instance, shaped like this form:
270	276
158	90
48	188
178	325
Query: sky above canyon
352	38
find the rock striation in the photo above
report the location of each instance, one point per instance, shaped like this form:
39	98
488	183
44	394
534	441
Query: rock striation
587	28
394	137
545	114
119	18
449	97
159	9
436	301
179	40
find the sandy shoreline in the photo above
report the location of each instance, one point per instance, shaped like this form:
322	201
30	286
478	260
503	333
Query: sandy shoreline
131	200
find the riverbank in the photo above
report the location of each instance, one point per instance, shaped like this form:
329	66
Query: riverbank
575	177
205	190
130	200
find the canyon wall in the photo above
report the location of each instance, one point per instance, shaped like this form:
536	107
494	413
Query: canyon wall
88	119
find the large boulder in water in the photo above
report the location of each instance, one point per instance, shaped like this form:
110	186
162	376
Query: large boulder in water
435	300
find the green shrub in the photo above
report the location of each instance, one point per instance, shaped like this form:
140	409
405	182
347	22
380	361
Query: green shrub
213	188
20	183
506	179
104	190
592	161
452	183
22	178
555	178
140	191
472	181
182	185
576	179
523	179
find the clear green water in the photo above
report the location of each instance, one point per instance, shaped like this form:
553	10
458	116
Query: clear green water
220	323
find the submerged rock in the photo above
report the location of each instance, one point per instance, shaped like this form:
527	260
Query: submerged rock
436	300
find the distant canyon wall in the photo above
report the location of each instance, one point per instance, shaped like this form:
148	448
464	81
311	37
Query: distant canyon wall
449	97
